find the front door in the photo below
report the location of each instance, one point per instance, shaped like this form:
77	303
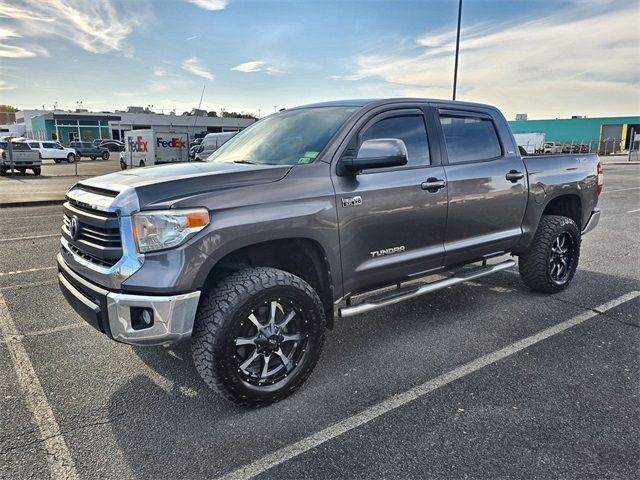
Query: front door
391	226
487	185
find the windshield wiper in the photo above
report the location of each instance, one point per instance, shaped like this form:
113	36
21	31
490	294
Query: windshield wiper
249	162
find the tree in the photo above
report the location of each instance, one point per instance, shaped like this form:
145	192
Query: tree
226	114
186	114
212	113
8	108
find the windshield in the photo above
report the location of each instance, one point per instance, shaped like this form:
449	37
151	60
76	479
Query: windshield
287	138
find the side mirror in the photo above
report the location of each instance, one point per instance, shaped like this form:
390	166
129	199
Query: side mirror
377	153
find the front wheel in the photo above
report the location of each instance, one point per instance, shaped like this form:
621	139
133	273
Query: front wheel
71	158
258	335
551	262
105	156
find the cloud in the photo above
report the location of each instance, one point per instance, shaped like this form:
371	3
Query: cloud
210	4
193	37
576	64
5	86
96	27
254	66
13	51
195	67
257	66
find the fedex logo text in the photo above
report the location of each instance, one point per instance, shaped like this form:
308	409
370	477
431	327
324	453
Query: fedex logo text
175	142
138	145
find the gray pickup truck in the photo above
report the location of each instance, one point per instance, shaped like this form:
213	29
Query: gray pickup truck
252	254
21	158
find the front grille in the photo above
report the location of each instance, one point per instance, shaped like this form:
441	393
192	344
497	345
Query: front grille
97	238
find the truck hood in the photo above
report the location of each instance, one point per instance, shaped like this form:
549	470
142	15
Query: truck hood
164	184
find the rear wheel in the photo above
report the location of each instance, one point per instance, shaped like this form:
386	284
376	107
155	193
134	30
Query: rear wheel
258	335
93	158
58	160
123	165
71	158
551	262
36	170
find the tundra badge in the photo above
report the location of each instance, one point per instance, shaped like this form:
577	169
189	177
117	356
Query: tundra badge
352	202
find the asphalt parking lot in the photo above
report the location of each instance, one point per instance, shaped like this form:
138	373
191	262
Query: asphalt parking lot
457	384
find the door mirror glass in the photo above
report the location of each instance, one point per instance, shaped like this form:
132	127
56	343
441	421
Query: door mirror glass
377	153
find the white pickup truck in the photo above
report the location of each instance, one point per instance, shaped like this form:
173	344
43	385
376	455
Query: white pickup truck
23	158
53	150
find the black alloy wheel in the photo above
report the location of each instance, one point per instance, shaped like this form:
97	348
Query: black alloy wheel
270	342
561	257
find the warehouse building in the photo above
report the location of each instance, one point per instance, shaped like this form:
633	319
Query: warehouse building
72	126
604	134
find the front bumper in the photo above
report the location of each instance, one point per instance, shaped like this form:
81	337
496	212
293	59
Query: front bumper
110	312
592	222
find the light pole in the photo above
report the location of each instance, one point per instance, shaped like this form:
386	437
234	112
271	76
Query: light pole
455	68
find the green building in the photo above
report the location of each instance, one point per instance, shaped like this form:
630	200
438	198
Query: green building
603	133
69	127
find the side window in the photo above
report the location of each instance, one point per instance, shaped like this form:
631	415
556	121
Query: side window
408	128
34	145
469	138
48	145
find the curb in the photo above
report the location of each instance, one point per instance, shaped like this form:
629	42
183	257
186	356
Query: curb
33	203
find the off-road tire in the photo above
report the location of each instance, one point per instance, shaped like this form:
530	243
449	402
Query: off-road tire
534	264
71	158
224	308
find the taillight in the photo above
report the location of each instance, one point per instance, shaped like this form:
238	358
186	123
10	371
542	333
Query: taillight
600	178
4	156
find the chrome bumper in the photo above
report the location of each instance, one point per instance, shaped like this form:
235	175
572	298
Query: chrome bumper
173	317
592	222
110	312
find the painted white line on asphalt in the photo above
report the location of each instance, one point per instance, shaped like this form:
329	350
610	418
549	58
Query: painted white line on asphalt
35	237
620	190
28	285
48	331
61	464
28	270
291	451
634	211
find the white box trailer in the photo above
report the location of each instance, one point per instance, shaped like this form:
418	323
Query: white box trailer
154	147
533	143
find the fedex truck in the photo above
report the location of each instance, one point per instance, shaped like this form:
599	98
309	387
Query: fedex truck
153	147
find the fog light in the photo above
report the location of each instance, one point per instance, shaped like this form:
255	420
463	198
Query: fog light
141	317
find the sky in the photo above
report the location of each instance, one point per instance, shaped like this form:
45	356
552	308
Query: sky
546	58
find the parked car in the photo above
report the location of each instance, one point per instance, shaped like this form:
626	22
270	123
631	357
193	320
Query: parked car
24	158
88	149
552	148
250	253
51	150
112	145
210	143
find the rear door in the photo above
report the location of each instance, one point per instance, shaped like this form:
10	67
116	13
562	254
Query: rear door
391	226
487	184
49	150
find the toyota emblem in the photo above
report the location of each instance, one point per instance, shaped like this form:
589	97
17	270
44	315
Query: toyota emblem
74	228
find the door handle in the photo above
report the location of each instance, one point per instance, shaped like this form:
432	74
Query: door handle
514	175
433	184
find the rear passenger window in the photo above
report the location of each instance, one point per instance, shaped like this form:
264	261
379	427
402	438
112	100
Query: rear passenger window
469	138
48	145
410	129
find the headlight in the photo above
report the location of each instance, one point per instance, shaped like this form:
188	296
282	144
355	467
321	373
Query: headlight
167	228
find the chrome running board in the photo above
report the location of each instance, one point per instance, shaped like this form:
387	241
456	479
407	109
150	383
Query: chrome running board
397	297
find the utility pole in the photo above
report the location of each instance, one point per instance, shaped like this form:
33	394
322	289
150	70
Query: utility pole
455	68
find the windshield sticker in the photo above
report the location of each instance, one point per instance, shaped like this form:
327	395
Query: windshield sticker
308	157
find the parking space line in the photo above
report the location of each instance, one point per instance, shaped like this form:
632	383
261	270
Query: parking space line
28	270
621	190
291	451
35	237
59	459
634	211
48	331
28	285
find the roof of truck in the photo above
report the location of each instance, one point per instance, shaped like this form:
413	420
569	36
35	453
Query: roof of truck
362	102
